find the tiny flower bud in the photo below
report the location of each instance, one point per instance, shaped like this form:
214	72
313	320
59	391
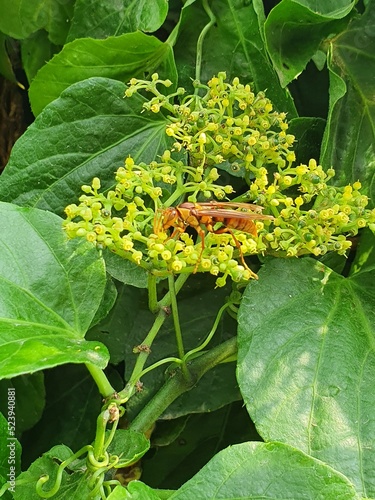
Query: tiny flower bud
129	162
96	183
220	282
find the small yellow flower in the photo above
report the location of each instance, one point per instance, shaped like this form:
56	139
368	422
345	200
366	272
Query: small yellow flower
166	255
177	265
137	256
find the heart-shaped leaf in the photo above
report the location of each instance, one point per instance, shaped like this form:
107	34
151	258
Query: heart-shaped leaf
118	57
102	19
265	470
87	132
50	291
306	362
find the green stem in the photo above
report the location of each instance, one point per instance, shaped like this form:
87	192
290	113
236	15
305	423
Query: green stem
177	326
198	61
179	283
105	388
128	390
178	384
152	293
101	426
210	335
160	363
174	197
142	356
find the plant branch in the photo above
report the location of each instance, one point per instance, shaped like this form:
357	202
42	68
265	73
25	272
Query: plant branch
100	378
128	390
210	335
152	293
178	384
198	61
177	326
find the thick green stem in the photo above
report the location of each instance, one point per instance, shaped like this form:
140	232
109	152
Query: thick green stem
152	293
178	384
101	424
174	197
142	356
105	388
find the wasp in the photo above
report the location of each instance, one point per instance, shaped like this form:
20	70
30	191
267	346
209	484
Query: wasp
207	215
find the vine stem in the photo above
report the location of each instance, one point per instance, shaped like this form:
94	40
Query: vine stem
101	380
177	326
178	384
152	293
198	61
211	334
128	390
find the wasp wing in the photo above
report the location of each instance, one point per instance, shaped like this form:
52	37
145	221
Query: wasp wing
233	214
233	204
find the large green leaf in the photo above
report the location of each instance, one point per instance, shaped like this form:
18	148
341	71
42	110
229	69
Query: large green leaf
50	290
36	50
87	132
295	29
306	363
234	44
349	138
266	470
308	133
101	19
125	271
136	490
129	445
121	58
21	18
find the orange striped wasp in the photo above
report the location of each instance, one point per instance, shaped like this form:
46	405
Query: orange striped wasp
231	215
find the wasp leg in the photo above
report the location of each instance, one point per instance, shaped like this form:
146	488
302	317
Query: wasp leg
238	245
201	234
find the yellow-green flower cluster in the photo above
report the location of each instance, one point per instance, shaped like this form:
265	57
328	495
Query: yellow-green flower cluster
128	220
229	122
316	219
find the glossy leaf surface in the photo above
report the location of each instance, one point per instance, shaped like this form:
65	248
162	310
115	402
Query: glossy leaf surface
306	362
87	132
101	19
50	291
124	57
265	470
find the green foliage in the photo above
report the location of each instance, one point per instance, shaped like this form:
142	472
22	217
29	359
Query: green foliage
174	141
